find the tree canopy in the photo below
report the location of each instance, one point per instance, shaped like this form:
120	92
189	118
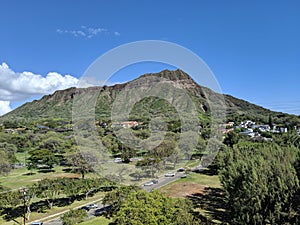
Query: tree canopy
142	208
260	184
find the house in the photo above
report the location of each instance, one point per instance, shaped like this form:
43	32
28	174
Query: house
246	124
127	124
248	133
262	128
283	129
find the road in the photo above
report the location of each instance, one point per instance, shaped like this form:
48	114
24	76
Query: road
57	221
162	181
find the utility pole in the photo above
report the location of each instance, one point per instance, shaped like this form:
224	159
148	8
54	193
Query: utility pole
23	191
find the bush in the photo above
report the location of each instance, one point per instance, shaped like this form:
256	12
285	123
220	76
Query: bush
74	217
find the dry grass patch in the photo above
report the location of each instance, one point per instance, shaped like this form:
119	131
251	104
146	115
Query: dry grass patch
183	189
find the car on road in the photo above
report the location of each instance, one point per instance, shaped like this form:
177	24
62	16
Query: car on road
85	208
90	206
181	170
170	174
37	223
154	181
198	169
117	160
150	183
183	176
93	206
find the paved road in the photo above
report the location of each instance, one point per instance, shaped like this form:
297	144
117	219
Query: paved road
57	221
162	181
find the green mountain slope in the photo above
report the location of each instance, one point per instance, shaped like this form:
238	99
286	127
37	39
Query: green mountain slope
59	104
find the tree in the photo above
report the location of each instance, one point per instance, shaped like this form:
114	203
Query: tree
270	121
142	208
117	196
74	217
52	143
41	158
5	166
231	139
49	190
10	199
260	184
81	161
13	199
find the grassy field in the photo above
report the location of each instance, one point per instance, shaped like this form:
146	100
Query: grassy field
204	191
200	178
22	176
96	221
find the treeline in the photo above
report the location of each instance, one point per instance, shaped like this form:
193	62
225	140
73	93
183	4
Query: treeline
261	180
45	148
47	193
131	205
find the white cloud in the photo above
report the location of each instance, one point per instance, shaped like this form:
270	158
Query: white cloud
15	86
87	32
4	107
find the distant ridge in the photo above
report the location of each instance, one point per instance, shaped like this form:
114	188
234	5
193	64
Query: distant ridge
59	104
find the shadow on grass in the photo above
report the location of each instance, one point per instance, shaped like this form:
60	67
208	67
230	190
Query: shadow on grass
210	171
11	213
67	170
46	171
28	174
212	201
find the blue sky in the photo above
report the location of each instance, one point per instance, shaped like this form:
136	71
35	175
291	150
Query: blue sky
253	47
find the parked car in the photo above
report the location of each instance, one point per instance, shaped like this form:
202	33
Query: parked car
183	176
181	169
103	210
90	206
170	174
148	183
198	169
85	208
93	206
154	181
117	160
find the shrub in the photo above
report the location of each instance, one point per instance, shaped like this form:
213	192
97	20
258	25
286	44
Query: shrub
74	217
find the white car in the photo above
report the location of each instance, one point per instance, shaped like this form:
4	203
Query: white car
93	206
117	160
148	183
170	174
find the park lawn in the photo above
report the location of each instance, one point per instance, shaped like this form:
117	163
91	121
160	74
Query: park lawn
34	216
96	221
199	184
21	177
200	178
193	183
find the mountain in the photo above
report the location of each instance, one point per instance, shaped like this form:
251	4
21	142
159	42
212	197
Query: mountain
59	104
